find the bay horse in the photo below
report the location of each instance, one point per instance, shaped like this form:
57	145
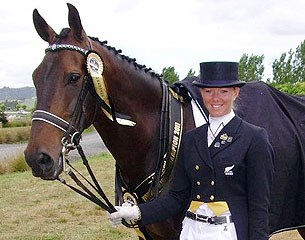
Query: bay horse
134	90
126	113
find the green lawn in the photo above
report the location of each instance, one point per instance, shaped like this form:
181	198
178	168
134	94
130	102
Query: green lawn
31	208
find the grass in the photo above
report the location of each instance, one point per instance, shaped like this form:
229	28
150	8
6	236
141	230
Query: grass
22	134
14	135
18	164
290	235
31	208
24	121
34	209
14	164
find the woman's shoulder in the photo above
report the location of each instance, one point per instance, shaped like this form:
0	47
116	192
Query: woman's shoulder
195	131
254	129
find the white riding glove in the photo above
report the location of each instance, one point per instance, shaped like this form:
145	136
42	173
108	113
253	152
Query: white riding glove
127	211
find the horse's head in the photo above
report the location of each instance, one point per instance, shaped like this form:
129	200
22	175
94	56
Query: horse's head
64	106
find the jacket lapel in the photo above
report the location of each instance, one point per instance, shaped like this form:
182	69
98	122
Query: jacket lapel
226	137
202	146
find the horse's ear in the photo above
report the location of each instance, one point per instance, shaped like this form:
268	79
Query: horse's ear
42	28
75	23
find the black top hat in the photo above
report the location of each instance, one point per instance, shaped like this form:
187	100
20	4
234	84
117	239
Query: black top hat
218	74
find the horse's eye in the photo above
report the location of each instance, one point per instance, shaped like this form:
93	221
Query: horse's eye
74	77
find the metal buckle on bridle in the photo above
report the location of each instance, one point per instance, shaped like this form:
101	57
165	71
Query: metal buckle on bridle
67	146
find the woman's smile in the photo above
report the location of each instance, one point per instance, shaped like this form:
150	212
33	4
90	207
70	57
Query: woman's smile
219	101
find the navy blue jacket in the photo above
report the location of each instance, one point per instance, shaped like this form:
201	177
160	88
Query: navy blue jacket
201	174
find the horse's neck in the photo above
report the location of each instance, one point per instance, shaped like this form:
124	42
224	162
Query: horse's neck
137	94
135	149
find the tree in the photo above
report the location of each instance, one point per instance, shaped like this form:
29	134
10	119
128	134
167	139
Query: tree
290	67
299	63
191	73
17	107
11	105
283	68
251	67
2	107
170	75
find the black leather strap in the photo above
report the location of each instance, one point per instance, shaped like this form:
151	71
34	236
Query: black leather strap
211	220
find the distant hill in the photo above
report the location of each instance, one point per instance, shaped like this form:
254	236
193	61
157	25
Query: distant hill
7	93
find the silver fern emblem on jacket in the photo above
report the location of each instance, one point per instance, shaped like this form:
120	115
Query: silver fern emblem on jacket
228	170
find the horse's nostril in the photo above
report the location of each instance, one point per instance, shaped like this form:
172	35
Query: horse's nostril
43	165
45	161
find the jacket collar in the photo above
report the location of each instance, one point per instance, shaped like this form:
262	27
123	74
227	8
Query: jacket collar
225	138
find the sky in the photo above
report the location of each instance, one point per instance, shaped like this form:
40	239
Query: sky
158	33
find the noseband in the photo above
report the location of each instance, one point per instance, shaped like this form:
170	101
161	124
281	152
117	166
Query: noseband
72	136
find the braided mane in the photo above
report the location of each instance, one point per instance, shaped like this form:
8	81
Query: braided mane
64	32
128	59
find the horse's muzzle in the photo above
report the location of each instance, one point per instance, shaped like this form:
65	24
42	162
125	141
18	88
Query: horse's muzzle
43	165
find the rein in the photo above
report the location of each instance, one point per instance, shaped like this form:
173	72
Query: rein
170	136
171	122
70	144
71	139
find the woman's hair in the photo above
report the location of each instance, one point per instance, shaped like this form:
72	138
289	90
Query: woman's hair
235	104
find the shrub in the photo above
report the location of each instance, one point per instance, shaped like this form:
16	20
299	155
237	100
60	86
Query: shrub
291	88
3	117
3	168
18	164
14	135
17	123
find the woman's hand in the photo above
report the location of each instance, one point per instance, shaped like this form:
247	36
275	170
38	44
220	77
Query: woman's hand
126	211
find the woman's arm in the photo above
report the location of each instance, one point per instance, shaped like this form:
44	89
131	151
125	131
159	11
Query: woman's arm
259	179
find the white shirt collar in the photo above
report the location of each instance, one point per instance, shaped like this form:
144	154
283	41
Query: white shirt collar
223	119
216	124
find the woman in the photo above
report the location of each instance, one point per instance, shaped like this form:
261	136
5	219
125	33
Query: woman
224	171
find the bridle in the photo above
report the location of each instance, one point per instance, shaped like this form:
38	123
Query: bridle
168	143
72	136
71	129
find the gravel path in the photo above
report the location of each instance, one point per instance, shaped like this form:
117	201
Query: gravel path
92	145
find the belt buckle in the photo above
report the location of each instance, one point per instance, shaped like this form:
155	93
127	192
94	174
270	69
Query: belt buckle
218	220
211	220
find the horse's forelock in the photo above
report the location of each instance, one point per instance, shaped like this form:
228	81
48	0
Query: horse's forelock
64	32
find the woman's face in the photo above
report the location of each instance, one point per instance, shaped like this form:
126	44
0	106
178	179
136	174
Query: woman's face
219	101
